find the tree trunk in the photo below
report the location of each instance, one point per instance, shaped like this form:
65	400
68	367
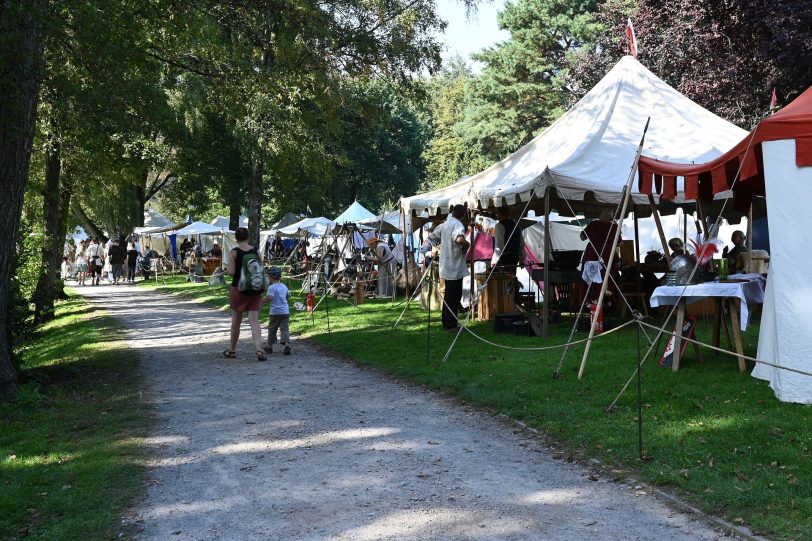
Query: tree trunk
66	193
255	202
21	52
87	224
52	244
141	199
234	216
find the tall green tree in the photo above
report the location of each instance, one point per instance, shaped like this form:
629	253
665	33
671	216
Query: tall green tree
21	47
726	56
378	147
448	155
521	88
98	143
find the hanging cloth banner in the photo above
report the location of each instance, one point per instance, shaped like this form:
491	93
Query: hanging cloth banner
632	38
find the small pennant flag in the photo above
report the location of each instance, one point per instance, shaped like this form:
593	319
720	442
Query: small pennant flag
632	38
773	101
309	212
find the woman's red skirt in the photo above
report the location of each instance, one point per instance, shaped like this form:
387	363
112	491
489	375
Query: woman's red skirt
240	302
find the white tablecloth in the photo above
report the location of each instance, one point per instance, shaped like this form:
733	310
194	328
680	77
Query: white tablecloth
750	292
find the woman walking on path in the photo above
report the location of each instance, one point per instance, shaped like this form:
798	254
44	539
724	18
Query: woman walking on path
241	302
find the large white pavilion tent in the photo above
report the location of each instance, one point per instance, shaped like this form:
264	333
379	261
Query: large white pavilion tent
587	154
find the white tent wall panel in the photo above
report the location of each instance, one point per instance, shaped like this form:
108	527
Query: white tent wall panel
785	336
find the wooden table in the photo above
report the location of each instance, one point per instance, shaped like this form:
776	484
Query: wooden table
745	293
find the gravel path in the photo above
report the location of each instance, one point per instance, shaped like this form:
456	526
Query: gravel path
308	447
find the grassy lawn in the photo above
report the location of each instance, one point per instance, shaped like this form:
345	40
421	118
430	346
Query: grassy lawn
715	436
70	457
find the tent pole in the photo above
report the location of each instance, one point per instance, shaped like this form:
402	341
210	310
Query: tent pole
627	195
700	208
749	263
684	227
636	241
428	305
405	255
327	282
473	276
545	307
656	215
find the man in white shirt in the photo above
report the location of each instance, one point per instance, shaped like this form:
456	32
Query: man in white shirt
94	254
453	246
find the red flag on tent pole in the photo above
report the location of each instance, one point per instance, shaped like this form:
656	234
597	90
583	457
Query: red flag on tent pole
773	101
632	39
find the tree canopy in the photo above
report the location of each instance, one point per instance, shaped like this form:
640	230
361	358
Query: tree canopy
269	106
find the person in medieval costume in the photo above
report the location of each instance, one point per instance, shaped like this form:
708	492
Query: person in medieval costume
387	267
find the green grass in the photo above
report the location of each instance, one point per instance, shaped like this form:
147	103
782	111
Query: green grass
716	437
71	460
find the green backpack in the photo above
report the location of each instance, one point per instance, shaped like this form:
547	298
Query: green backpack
252	275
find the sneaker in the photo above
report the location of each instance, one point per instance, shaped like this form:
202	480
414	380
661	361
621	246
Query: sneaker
287	350
268	349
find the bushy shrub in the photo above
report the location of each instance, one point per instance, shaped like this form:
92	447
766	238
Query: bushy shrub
26	266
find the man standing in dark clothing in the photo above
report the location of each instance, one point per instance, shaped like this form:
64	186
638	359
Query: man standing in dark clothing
508	245
601	235
116	254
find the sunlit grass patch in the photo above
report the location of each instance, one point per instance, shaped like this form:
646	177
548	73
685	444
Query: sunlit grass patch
71	460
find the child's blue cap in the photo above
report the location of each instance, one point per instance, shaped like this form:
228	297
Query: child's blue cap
275	273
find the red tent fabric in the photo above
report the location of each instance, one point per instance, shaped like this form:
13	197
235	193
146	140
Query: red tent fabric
702	181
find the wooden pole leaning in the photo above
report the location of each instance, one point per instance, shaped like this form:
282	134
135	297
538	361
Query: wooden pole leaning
627	194
472	289
656	215
545	310
405	254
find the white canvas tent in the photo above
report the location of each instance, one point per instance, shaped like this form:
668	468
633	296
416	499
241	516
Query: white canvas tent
154	221
222	222
389	224
198	228
562	237
353	214
587	154
311	226
785	335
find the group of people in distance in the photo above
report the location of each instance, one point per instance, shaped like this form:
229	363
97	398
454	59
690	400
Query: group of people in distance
116	260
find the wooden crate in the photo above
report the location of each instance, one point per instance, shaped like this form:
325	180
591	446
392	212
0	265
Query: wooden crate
495	299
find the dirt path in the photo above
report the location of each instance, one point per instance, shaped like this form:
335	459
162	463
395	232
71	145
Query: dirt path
308	447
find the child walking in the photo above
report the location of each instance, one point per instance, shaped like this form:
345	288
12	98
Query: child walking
278	296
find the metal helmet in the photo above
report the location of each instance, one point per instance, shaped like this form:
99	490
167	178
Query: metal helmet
680	270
